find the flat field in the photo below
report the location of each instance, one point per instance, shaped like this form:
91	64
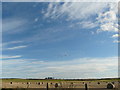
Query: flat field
18	84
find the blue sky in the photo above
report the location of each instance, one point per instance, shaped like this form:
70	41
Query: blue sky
42	39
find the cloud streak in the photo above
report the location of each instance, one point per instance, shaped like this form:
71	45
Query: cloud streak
16	47
11	42
6	45
10	57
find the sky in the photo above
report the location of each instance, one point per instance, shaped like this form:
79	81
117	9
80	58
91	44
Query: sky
59	39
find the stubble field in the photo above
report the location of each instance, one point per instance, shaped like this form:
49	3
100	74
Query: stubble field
18	84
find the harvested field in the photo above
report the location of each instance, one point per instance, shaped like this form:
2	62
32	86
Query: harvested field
57	85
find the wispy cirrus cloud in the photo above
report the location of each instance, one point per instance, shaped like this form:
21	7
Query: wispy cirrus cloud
10	57
81	13
87	24
62	69
12	45
13	25
16	47
11	42
107	20
73	10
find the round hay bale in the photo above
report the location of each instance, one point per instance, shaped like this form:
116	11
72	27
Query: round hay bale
28	82
56	85
98	82
10	82
110	86
38	83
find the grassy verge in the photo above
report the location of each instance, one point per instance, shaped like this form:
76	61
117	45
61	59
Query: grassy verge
56	80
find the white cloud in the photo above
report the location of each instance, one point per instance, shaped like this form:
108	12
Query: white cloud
80	14
83	11
108	20
116	35
73	11
11	42
6	45
87	24
16	47
10	57
87	67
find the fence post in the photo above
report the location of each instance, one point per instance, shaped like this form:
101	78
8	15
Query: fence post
47	86
86	88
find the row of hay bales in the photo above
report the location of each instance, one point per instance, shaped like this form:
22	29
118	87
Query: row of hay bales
109	85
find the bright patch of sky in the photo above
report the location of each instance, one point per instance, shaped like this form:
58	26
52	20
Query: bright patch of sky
56	39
